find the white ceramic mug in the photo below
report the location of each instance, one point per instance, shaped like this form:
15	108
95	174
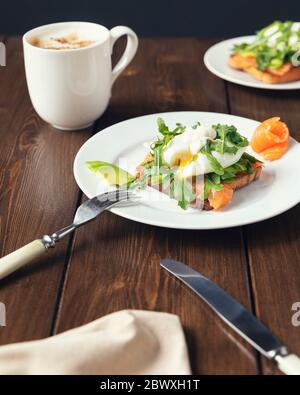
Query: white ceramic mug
71	88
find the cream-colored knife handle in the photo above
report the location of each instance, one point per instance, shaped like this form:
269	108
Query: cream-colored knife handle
289	365
21	257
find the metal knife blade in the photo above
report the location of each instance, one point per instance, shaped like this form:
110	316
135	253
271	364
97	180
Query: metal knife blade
229	309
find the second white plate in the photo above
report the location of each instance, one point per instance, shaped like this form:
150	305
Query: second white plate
216	60
276	191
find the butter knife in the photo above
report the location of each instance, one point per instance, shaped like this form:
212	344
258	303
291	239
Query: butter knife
88	211
236	316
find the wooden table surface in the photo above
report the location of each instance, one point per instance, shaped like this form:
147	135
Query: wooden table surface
113	263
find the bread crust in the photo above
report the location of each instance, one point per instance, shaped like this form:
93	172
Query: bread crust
248	64
292	75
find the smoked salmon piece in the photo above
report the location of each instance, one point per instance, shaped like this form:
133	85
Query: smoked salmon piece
270	139
284	69
276	151
219	199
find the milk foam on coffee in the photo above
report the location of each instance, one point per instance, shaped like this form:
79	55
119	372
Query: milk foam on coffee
61	42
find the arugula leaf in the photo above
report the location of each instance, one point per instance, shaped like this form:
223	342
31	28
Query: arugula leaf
214	181
228	176
216	166
183	192
215	178
207	188
223	147
158	145
165	131
250	158
157	158
236	138
241	48
196	125
228	139
264	58
162	127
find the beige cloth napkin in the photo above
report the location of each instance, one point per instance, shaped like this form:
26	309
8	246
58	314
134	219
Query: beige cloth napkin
125	342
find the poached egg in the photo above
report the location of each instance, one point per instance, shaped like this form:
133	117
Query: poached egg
183	151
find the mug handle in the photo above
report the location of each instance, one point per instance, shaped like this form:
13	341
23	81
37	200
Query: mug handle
130	50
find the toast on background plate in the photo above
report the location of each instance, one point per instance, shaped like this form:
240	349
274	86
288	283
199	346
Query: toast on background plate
273	55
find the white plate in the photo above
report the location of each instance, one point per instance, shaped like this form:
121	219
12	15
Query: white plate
216	60
276	191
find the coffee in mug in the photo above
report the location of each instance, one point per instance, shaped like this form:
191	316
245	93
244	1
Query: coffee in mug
69	72
70	41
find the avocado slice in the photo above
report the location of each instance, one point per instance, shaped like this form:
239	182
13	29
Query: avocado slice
111	173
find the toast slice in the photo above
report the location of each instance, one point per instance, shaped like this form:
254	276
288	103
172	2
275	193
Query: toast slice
240	181
286	73
239	62
292	75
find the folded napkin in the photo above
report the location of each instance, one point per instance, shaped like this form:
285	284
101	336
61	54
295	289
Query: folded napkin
125	342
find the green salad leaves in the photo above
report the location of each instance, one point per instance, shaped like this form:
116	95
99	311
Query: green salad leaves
228	140
273	46
158	146
215	181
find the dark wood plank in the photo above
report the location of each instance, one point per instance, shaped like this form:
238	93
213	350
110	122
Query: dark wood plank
38	195
273	245
115	262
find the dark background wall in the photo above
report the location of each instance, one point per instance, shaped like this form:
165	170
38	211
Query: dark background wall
152	17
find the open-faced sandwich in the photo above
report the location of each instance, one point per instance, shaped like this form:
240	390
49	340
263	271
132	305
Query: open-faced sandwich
273	56
199	166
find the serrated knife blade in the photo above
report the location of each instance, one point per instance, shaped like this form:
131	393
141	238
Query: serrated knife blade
235	315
